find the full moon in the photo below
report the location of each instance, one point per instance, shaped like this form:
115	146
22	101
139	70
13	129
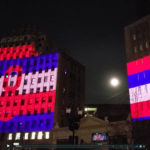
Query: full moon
114	82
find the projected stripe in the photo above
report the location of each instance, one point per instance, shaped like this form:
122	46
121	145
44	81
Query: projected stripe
24	104
138	65
30	82
26	123
139	79
139	94
31	64
140	109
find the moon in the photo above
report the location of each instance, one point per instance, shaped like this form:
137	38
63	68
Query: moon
114	82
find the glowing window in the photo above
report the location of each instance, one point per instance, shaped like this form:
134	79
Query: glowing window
10	136
135	49
33	81
47	135
40	134
33	135
147	44
26	136
141	47
52	78
134	37
18	136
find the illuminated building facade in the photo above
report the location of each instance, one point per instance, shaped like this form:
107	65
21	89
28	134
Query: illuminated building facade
35	88
138	67
137	42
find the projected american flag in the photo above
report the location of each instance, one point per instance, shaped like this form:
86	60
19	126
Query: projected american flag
139	88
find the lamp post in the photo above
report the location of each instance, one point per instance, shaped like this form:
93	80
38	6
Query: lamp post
74	116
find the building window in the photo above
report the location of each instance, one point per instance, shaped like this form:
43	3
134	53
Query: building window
134	37
9	93
39	80
147	44
33	81
13	74
52	68
18	136
135	49
15	104
40	70
21	112
46	69
52	78
3	93
41	61
31	91
35	63
26	73
8	103
25	82
49	110
51	87
19	74
40	134
4	84
24	91
17	92
10	136
50	99
44	89
45	78
22	102
38	90
34	71
33	134
11	83
47	135
26	136
141	47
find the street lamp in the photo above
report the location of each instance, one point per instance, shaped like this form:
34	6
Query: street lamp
74	116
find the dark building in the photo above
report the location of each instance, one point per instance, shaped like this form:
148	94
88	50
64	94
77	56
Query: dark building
114	112
137	42
66	77
137	39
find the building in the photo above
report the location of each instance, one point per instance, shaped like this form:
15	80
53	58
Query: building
137	42
36	87
115	112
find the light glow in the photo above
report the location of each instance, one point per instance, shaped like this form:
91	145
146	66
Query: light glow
114	82
10	136
26	136
47	135
33	135
18	136
40	135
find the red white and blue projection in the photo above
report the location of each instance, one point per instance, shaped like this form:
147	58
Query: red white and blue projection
27	89
139	88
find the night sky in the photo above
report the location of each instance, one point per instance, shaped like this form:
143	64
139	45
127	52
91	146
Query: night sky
93	31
